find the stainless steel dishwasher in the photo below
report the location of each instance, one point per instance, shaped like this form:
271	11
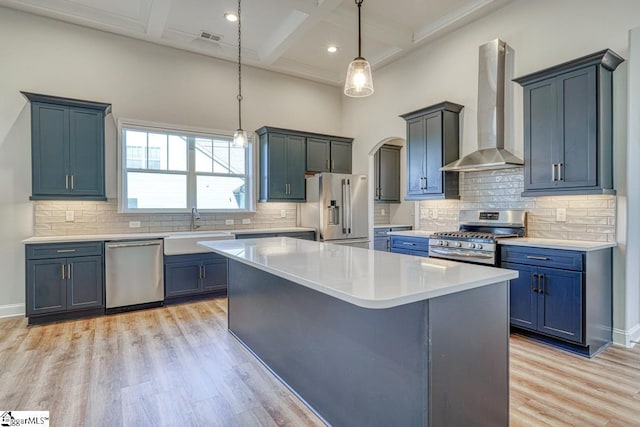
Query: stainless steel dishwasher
134	274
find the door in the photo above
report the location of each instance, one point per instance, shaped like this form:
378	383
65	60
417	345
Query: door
389	174
47	291
577	118
86	148
560	303
183	278
50	149
433	175
84	283
295	164
214	274
523	298
416	156
541	139
277	166
318	155
340	157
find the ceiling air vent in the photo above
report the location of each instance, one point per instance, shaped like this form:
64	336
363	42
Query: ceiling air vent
206	35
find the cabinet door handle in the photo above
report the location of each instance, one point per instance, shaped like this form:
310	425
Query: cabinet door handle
553	171
333	164
62	269
380	191
559	172
540	283
539	258
66	182
408	244
534	288
72	183
69	271
327	164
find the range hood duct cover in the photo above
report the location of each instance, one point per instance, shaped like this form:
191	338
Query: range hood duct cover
491	153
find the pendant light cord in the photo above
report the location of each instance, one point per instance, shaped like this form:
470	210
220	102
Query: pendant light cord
240	67
359	4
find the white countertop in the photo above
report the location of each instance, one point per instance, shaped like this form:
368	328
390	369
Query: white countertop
363	277
572	245
144	236
391	225
412	233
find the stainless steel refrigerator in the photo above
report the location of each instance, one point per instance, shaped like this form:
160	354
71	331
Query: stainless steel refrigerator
337	207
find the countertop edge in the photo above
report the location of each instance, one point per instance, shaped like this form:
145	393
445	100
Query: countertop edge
569	245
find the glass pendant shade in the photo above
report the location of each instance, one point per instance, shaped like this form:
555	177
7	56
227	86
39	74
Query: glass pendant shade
240	139
359	82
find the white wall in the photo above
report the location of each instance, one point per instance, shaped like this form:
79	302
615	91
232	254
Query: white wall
542	33
142	81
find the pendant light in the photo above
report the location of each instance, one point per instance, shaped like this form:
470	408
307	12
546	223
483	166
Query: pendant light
359	82
240	138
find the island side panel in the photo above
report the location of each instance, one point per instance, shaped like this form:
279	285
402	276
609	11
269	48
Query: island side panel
353	366
470	357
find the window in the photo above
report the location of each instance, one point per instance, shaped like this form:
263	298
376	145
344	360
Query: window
171	170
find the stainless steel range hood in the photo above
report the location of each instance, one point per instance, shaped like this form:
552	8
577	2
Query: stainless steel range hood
491	153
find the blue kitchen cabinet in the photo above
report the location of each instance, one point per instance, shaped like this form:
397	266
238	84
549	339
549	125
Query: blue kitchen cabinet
194	275
568	127
433	140
328	154
381	238
282	167
64	280
67	148
562	297
410	245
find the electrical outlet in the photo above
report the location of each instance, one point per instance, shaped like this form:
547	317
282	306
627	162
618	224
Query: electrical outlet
423	214
433	213
134	224
69	216
561	214
229	222
246	221
283	213
381	211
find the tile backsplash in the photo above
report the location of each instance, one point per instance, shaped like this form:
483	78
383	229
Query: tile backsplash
381	213
587	217
103	218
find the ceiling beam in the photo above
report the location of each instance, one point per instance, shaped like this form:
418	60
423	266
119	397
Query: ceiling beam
158	16
292	28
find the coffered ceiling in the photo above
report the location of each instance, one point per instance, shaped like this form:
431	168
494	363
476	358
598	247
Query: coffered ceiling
288	36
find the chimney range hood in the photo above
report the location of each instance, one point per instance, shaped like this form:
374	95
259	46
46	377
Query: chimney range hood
491	153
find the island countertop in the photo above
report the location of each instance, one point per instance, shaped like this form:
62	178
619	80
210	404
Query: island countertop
365	278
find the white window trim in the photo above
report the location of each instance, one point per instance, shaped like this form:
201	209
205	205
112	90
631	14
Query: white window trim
250	170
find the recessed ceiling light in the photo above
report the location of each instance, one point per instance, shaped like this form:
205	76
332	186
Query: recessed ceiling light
332	49
231	17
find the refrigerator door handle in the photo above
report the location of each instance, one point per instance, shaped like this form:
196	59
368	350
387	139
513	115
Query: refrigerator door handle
344	206
350	225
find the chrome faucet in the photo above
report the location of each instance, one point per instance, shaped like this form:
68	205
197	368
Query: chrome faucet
194	216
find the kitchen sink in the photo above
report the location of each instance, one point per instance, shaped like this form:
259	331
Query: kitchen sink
187	242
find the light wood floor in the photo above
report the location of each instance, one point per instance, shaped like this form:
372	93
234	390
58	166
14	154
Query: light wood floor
178	365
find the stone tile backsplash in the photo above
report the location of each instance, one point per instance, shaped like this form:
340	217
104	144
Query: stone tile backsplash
381	213
103	218
587	217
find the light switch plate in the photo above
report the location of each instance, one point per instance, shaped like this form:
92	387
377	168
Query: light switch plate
69	216
246	221
134	224
381	211
561	214
229	222
433	214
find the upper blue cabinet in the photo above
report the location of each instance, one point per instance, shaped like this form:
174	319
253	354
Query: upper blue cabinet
568	115
67	148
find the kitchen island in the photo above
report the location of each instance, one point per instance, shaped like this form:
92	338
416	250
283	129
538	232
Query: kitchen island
373	338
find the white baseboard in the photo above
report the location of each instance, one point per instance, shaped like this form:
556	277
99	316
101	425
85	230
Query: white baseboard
627	338
11	310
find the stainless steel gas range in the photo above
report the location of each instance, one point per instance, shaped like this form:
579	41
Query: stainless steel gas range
477	239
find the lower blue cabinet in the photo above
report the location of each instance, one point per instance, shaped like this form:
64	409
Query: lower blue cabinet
410	245
188	275
547	300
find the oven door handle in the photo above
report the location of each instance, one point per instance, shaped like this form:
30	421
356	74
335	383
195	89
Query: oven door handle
462	253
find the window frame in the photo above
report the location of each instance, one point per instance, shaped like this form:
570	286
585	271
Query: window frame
190	173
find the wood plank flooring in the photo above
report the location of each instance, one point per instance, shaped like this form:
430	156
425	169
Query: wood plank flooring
178	365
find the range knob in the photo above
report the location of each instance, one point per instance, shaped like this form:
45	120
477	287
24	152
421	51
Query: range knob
458	244
478	246
445	243
471	245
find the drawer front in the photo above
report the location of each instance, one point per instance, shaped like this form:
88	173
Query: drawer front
410	243
410	252
64	250
193	258
553	258
381	232
407	228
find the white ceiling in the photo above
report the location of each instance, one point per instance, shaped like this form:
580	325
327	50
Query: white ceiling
288	36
